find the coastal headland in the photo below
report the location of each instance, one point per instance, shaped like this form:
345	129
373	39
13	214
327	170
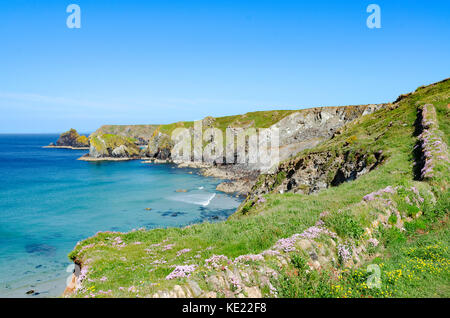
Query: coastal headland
352	187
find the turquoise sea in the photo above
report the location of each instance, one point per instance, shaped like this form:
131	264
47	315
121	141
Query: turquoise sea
49	201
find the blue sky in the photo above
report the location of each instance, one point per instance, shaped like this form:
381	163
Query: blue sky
137	62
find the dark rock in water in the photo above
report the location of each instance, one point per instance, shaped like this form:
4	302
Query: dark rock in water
172	213
35	294
30	292
37	248
38	266
215	215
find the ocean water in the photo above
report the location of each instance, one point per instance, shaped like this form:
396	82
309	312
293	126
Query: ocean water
49	201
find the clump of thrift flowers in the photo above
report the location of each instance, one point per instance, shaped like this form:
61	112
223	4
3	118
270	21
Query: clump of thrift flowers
433	148
181	271
315	231
168	247
118	242
183	251
215	260
344	253
249	257
372	196
286	244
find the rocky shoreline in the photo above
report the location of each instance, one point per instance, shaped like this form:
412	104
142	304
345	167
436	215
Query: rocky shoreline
66	147
239	179
92	159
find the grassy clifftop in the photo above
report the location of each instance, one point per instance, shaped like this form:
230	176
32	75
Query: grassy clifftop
297	245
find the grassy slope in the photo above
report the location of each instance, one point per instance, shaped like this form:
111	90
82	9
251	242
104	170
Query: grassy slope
391	131
137	130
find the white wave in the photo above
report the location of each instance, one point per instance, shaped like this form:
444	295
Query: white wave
209	200
198	199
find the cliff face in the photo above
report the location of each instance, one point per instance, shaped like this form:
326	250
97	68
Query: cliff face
108	145
306	129
159	146
298	130
310	173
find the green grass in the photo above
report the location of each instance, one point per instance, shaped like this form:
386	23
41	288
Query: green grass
410	267
391	131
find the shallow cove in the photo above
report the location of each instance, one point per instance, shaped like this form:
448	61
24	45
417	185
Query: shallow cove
49	201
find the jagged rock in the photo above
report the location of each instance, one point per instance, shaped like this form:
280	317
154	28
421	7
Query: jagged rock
102	146
312	172
160	146
195	288
239	187
71	138
313	256
120	151
179	292
304	244
253	292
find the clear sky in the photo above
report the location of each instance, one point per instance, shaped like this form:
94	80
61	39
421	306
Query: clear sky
138	62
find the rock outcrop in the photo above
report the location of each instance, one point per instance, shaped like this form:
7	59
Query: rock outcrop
312	172
159	146
113	146
71	138
306	129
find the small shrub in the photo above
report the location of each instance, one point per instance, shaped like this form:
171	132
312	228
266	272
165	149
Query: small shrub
415	225
392	236
299	262
392	219
345	225
410	210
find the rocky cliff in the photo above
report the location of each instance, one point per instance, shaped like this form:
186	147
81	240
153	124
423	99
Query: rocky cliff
71	139
113	146
298	130
312	172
